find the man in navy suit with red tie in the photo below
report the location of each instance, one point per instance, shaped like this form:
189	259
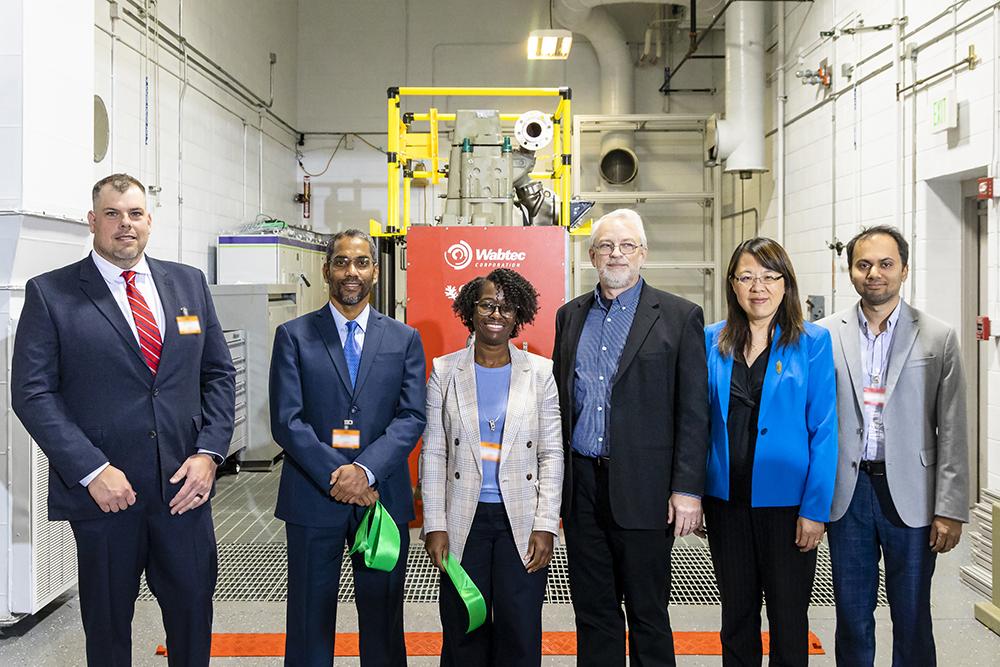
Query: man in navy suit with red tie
122	376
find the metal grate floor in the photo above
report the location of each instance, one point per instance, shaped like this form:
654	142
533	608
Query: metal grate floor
256	572
253	562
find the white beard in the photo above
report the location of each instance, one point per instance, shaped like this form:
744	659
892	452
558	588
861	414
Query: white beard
617	277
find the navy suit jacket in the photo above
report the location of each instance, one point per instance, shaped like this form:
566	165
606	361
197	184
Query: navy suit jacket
311	395
81	387
795	460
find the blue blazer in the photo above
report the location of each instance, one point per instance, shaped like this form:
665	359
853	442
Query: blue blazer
795	461
81	387
311	395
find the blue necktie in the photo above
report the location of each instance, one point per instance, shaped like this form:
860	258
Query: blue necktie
351	352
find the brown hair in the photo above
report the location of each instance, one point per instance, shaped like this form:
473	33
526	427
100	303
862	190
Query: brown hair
736	333
120	182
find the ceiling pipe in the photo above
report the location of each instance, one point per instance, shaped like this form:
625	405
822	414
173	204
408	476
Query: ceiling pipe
619	164
740	139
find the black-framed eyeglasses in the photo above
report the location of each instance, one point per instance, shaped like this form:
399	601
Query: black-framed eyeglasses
605	248
766	279
361	262
487	306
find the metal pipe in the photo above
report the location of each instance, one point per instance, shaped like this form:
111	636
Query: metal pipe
260	163
156	102
698	41
618	163
209	97
897	69
780	142
218	73
965	23
180	135
969	61
111	114
740	137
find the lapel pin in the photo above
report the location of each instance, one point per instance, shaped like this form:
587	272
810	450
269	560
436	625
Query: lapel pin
777	367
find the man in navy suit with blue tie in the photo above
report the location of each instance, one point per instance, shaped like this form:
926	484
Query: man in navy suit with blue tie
122	376
347	406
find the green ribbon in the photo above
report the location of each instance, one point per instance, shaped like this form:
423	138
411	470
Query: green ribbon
377	538
468	591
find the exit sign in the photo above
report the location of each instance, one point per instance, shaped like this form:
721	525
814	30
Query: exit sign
944	113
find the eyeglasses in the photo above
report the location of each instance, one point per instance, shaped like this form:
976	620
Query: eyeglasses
360	262
486	308
605	248
766	279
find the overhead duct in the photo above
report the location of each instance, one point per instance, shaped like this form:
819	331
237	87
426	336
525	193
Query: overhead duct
619	164
740	137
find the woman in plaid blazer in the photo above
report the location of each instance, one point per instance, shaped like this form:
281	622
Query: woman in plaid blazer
491	474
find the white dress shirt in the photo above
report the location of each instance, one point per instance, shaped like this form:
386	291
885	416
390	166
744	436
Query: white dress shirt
359	336
144	283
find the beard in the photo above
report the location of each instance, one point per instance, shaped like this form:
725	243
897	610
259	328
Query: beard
352	298
617	277
878	296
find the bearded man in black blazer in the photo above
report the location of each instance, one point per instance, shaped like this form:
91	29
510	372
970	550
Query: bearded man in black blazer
633	389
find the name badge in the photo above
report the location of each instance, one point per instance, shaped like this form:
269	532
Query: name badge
346	438
874	395
188	325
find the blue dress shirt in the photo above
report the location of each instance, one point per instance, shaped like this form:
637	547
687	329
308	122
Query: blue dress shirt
600	348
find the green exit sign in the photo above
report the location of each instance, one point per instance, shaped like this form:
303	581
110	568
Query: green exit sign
944	113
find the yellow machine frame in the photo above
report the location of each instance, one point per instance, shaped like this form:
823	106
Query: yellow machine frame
404	146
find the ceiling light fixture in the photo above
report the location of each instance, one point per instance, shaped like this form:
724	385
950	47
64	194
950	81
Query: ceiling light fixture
549	44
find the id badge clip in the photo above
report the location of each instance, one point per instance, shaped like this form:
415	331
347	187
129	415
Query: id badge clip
347	437
188	325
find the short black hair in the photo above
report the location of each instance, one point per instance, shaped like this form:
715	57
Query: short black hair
331	246
888	230
516	290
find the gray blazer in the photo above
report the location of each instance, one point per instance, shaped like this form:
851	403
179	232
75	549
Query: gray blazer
531	455
926	444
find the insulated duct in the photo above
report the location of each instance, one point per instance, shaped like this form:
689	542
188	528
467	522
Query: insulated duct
740	137
619	164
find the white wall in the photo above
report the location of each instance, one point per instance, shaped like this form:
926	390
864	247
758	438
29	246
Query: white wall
353	51
841	156
218	158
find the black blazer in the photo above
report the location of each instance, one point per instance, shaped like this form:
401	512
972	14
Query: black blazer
82	388
659	405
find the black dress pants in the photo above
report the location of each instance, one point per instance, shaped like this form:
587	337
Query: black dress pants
609	564
512	633
754	552
178	555
315	555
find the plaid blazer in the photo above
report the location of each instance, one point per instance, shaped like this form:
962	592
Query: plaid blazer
531	456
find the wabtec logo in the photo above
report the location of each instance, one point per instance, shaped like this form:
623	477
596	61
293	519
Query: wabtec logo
497	255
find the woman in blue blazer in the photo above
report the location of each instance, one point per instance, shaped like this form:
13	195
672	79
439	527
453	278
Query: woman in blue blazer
772	463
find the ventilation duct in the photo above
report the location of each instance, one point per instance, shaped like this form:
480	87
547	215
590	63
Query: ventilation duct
619	164
740	137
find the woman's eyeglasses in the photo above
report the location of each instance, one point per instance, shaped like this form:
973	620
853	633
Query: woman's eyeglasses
766	279
486	308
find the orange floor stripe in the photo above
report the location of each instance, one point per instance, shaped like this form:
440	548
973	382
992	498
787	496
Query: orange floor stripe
261	644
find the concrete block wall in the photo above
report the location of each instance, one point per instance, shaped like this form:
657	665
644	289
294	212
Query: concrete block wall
841	156
210	181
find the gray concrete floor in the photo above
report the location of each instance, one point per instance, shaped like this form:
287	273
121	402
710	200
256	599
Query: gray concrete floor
54	637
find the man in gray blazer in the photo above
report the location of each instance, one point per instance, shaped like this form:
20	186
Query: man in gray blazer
902	471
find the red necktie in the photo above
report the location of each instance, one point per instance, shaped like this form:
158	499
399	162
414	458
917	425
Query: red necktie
149	334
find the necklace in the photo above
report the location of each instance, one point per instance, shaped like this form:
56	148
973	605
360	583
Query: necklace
493	422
